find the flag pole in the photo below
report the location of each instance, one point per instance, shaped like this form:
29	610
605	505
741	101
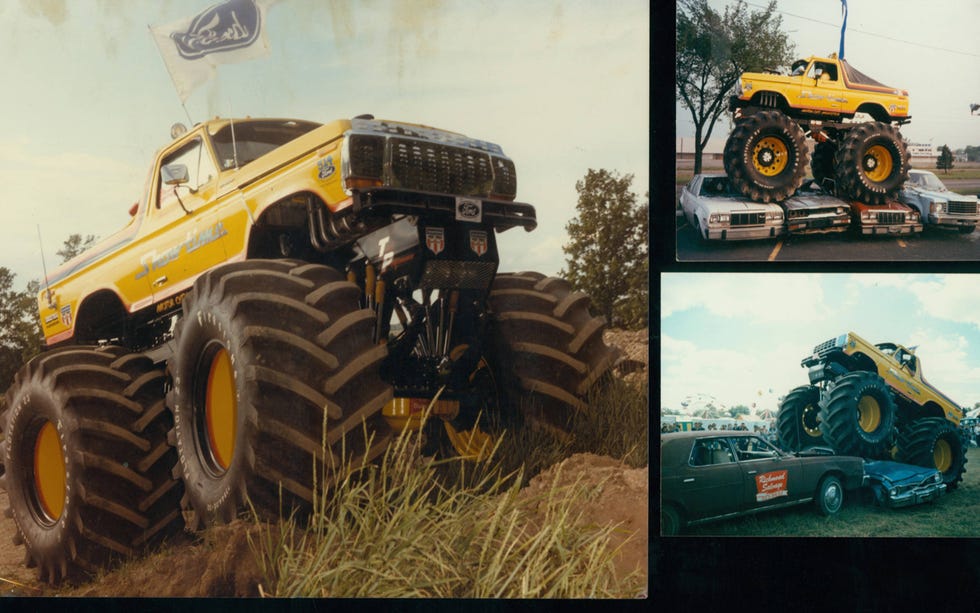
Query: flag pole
172	79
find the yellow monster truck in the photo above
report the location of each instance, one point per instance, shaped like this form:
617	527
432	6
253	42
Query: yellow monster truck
766	154
286	296
873	401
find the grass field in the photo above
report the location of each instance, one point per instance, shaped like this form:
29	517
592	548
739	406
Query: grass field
953	515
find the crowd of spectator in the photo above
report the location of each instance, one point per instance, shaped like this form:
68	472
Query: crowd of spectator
767	432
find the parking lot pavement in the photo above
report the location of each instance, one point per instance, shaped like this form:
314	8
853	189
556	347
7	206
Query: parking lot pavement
931	245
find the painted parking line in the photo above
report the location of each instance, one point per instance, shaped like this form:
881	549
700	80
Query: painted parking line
775	250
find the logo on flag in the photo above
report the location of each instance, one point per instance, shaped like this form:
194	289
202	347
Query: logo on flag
225	33
223	27
435	240
478	242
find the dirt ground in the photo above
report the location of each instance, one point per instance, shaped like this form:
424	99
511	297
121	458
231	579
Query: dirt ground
220	562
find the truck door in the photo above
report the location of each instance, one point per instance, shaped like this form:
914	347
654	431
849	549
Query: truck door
182	241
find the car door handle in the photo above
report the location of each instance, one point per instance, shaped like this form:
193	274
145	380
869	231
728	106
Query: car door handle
160	281
689	480
751	472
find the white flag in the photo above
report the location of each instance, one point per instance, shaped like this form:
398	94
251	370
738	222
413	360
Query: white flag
192	48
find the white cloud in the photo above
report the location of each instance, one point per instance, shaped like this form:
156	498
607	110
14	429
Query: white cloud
754	297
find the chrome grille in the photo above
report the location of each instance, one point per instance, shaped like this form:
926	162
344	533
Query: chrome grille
962	208
891	217
823	348
748	219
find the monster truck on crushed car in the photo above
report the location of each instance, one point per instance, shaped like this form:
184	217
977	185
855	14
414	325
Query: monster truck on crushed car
873	401
236	338
766	155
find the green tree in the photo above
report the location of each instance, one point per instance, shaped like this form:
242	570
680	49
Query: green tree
713	50
607	254
75	245
737	410
20	334
945	160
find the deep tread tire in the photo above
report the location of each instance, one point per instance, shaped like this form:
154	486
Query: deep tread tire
917	444
869	150
798	422
302	357
106	407
842	416
746	156
829	497
548	344
822	162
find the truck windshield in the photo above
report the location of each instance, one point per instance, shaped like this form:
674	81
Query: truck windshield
254	138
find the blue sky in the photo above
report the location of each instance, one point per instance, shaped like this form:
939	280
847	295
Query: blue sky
929	48
736	336
561	85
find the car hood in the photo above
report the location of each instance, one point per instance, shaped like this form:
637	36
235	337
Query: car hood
896	473
735	205
937	195
813	202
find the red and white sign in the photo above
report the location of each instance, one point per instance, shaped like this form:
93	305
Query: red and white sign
435	240
771	485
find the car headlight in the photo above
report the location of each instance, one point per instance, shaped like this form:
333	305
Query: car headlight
718	218
867	215
914	216
937	206
840	210
937	478
893	491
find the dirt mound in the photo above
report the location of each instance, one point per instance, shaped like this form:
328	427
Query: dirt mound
614	494
635	344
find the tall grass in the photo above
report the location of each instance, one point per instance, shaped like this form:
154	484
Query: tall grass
409	526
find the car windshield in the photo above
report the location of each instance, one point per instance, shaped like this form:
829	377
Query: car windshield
251	139
927	181
716	186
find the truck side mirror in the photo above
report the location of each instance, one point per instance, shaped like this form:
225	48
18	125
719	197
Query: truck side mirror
174	174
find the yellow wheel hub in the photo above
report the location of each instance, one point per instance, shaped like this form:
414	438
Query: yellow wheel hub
877	163
942	455
811	423
770	156
221	409
49	472
869	414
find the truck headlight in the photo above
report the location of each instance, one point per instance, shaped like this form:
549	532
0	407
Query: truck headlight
937	206
738	89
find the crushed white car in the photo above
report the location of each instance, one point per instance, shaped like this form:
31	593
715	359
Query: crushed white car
717	212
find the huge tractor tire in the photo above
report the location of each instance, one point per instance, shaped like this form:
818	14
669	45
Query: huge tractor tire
798	420
934	442
548	344
88	466
859	416
275	388
871	163
822	162
766	156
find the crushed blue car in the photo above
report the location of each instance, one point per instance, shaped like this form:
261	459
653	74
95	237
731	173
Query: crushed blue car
901	485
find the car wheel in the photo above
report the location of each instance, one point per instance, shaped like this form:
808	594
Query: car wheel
859	416
830	496
798	421
670	520
766	156
872	163
934	442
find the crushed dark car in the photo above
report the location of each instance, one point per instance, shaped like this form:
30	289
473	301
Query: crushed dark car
901	485
708	476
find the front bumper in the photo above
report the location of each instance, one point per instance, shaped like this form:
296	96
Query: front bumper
918	495
740	233
953	221
820	225
907	228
